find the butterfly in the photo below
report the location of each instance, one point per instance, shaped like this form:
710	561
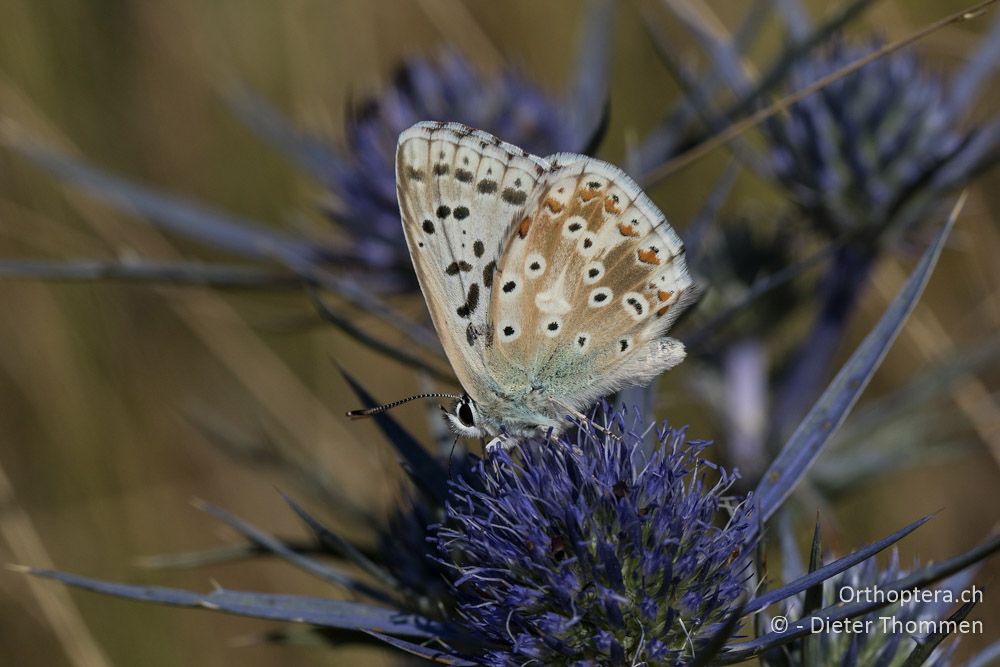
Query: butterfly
551	281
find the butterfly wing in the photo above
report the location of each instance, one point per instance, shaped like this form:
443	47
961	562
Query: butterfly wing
590	280
459	191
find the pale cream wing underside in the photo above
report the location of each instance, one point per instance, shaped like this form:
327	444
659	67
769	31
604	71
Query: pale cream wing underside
590	280
459	191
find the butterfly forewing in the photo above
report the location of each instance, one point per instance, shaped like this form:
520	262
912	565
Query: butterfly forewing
459	192
590	280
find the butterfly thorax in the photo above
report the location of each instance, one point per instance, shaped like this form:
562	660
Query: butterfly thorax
523	412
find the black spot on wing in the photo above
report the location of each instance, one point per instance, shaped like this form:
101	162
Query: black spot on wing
487	186
428	226
478	248
488	274
463	175
441	169
443	211
461	212
515	197
453	268
414	174
471	302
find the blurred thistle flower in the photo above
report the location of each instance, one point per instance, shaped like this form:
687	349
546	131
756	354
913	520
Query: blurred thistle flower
872	150
587	549
359	173
856	154
738	253
362	179
875	151
868	159
875	646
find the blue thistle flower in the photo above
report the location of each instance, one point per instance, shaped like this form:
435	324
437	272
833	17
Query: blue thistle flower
588	548
855	154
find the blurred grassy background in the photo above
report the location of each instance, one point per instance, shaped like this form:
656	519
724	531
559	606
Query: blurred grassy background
98	463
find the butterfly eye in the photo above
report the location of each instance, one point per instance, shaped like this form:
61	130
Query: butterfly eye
465	413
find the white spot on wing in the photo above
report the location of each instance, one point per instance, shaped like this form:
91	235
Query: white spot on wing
573	227
635	305
587	245
589	277
509	330
534	265
600	297
510	287
551	326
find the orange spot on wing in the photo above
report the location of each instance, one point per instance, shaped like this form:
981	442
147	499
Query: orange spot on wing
588	194
553	205
665	294
627	230
610	205
523	228
648	256
662	311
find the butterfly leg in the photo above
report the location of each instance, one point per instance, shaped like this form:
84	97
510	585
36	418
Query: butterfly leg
498	443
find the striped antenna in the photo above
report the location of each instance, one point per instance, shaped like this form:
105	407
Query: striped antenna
378	409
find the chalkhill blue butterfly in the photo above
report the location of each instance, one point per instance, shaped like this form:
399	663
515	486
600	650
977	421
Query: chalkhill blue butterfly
551	281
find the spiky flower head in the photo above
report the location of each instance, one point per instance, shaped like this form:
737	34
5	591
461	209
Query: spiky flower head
874	647
586	549
445	88
853	154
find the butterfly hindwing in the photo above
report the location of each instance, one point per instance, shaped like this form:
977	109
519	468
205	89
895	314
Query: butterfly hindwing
590	280
459	191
